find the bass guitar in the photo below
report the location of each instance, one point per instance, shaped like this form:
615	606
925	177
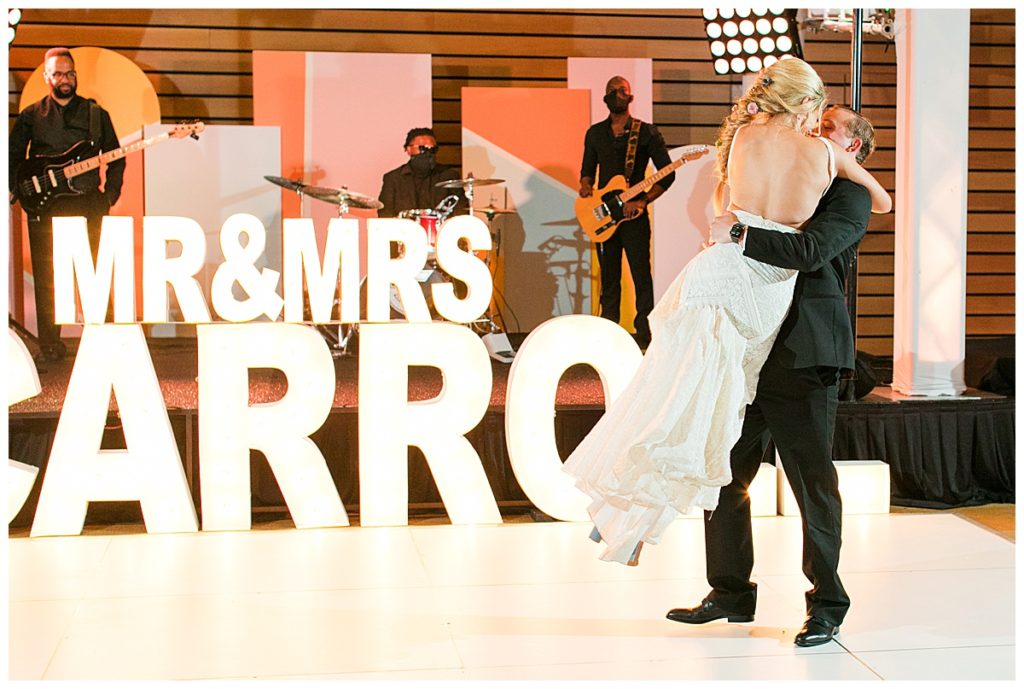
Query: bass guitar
600	213
43	178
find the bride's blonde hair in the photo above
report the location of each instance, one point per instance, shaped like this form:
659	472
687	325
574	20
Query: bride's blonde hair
778	90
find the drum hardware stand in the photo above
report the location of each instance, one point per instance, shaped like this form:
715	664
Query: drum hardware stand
343	343
494	338
337	338
447	205
498	346
340	337
469	192
345	334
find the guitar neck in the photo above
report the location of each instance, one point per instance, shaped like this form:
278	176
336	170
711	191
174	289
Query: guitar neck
646	184
75	169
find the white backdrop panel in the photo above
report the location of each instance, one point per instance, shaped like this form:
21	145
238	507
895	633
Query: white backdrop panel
680	219
359	107
213	178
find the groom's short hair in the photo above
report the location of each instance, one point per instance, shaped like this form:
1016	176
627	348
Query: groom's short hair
859	127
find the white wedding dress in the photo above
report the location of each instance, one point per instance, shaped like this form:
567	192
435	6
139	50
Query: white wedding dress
662	447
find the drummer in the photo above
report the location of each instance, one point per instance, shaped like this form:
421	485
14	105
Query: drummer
413	185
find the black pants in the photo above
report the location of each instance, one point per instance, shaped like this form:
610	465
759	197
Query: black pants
797	409
40	238
635	237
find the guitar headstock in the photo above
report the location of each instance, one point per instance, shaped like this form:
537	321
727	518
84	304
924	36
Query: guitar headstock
696	151
188	128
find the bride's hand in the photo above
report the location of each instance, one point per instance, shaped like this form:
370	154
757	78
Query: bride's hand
849	168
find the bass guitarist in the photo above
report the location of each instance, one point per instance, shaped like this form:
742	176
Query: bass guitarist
623	145
51	126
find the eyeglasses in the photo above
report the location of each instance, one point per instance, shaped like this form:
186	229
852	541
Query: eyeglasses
56	76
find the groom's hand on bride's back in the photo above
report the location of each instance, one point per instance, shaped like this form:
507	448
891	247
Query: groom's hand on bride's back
718	233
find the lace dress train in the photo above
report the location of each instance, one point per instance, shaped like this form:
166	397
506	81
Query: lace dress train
662	447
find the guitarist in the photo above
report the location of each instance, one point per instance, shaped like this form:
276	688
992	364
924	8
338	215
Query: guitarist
608	145
50	127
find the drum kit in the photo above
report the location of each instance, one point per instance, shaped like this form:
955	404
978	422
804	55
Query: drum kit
430	219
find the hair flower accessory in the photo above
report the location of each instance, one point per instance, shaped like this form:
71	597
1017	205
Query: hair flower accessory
767	81
752	108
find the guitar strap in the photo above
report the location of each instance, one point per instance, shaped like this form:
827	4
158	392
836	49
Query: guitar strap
634	137
96	136
94	123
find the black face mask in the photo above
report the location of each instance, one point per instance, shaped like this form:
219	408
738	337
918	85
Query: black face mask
422	163
615	103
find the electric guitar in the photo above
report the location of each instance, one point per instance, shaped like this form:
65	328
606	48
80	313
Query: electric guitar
43	178
600	213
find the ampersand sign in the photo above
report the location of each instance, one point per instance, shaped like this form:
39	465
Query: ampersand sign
240	266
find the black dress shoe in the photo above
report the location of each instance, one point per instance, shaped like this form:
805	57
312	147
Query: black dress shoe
816	632
54	351
707	611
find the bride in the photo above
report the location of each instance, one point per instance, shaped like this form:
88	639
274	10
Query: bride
663	446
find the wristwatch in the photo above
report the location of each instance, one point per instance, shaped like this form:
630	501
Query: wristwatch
737	231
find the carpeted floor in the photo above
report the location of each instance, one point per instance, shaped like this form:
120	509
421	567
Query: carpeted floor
997	518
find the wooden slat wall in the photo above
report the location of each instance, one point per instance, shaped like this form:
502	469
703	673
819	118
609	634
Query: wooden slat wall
200	64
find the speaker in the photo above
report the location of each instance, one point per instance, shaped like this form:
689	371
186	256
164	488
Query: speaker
1000	377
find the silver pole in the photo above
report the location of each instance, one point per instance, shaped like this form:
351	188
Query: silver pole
856	59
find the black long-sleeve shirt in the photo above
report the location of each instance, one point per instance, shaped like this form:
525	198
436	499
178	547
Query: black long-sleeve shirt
602	148
50	128
404	190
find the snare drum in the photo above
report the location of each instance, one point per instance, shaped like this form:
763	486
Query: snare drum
429	219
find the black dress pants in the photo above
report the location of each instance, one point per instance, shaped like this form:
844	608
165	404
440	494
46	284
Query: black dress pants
40	238
797	409
633	237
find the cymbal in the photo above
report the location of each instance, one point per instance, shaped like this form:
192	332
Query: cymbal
342	197
468	182
291	185
491	210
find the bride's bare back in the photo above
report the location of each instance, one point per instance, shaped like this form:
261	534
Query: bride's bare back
777	173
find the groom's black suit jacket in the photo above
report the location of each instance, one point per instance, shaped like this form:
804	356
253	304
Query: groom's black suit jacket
817	330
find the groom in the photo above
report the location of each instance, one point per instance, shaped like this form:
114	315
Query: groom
796	402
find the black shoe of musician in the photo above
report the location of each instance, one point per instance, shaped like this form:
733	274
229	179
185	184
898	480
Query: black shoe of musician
707	611
815	632
50	352
54	351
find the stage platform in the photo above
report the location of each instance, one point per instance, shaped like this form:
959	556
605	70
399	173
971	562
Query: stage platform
932	599
942	452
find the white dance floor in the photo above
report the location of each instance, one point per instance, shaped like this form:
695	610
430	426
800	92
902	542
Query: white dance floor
933	598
